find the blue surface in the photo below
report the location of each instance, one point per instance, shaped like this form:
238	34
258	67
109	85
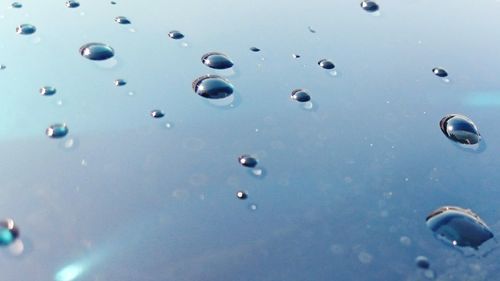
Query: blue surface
347	184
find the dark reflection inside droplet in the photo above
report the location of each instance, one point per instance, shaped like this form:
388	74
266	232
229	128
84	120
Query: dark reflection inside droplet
241	195
156	113
458	227
72	4
122	20
460	129
8	232
212	87
216	60
97	51
47	91
300	95
254	49
247	161
439	72
174	34
326	64
57	130
26	29
369	6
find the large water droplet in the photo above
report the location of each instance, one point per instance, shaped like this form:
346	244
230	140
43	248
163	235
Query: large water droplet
300	95
458	227
174	34
97	51
460	129
216	60
16	5
212	87
439	72
369	6
8	232
156	113
25	29
122	20
247	161
241	195
57	130
326	64
72	4
47	91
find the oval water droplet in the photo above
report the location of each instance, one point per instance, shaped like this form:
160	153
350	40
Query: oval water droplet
97	51
247	161
369	6
72	4
300	95
460	129
422	262
254	49
241	195
216	60
439	72
8	232
120	82
174	34
156	113
17	5
113	3
26	29
3	66
47	91
458	227
326	64
122	20
212	87
57	130
295	56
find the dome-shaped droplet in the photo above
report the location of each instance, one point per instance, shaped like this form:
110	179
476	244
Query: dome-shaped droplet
300	95
174	34
247	161
120	82
459	227
212	87
25	29
16	5
122	20
97	51
57	130
72	4
460	129
326	64
8	232
369	6
422	262
216	60
156	113
439	72
254	49
241	195
47	91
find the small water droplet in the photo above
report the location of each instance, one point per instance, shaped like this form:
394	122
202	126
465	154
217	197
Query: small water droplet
326	64
120	82
72	4
254	49
247	161
96	51
57	130
439	72
241	195
156	113
174	34
8	232
458	226
422	262
212	87
113	3
25	29
300	95
369	6
459	128
47	91
295	56
216	60
122	20
16	5
2	67
311	29
253	207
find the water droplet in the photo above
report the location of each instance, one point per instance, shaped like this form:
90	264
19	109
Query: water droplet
247	161
369	6
122	20
120	82
254	49
156	113
174	34
326	64
57	130
72	4
241	195
212	87
439	72
311	29
113	3
17	5
422	262
458	227
460	129
25	29
216	60
295	56
2	67
97	51
8	232
300	95
47	91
